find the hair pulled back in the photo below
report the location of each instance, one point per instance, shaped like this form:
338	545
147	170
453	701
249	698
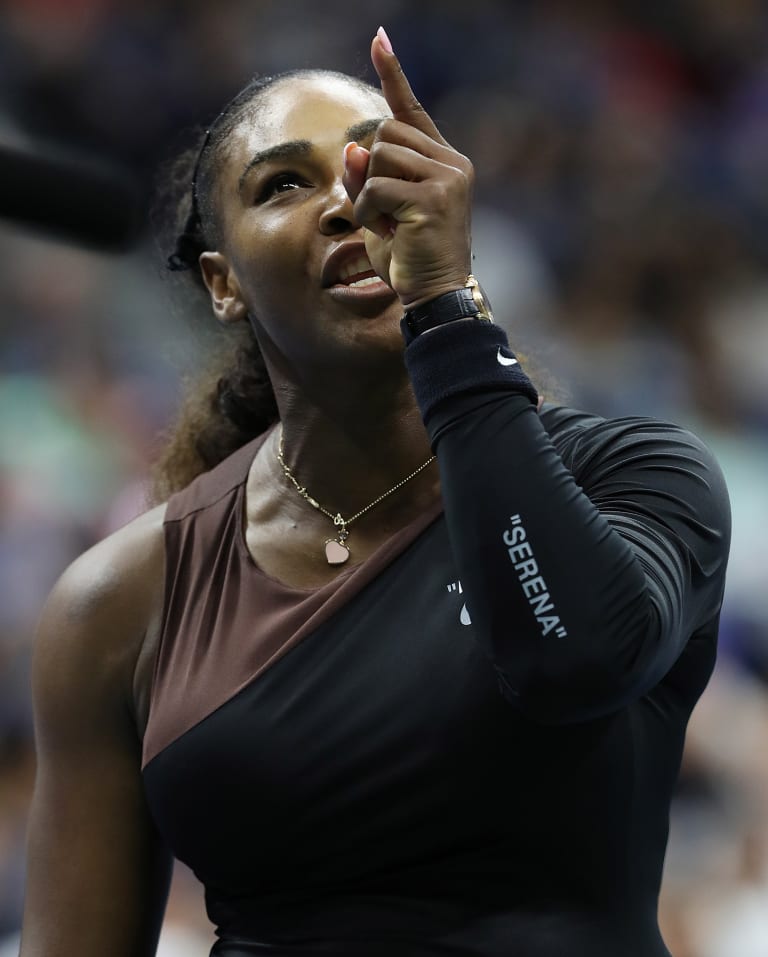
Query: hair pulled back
232	401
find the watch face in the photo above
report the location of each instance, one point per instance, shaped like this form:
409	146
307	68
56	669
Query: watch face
481	302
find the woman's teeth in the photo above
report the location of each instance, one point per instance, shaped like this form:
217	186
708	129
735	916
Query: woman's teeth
355	267
366	281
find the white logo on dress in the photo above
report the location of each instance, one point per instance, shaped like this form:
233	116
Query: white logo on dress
504	360
464	614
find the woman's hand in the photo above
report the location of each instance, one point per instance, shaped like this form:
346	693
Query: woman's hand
412	192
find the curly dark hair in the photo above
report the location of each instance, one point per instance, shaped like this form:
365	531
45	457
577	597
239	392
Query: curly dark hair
232	401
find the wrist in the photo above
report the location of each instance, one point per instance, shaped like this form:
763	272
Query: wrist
435	292
465	302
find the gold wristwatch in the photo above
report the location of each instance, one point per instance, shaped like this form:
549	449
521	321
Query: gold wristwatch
470	302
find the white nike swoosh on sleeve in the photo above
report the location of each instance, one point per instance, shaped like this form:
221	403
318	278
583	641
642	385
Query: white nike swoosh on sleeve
503	360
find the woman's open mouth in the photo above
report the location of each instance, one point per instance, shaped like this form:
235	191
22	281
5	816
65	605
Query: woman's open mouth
350	278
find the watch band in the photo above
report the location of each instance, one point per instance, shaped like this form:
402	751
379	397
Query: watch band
459	304
468	302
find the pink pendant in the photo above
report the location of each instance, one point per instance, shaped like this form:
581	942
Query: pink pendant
335	552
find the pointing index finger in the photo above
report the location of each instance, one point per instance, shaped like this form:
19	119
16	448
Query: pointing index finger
397	90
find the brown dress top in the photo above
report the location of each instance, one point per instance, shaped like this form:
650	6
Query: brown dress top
224	620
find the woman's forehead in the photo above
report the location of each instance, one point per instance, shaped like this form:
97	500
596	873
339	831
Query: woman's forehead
316	107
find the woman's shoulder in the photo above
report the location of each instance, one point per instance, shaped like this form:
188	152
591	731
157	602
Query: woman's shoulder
100	611
642	457
214	484
123	564
589	433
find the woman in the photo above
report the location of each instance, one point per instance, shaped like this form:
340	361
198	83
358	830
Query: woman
381	703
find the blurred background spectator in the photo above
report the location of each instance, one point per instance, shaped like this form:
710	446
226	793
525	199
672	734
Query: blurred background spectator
621	230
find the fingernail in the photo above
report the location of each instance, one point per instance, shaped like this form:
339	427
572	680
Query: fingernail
381	33
347	150
351	148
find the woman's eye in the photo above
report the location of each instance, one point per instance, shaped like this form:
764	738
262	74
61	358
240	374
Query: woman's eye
281	183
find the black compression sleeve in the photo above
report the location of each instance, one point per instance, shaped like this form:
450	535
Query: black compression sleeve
584	577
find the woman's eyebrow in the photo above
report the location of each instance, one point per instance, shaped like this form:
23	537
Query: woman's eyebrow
294	148
359	131
288	150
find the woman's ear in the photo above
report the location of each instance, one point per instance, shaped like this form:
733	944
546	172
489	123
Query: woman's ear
226	299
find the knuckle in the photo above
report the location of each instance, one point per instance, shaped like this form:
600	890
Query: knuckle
361	201
467	175
462	163
465	164
457	181
365	204
369	189
441	192
377	150
386	130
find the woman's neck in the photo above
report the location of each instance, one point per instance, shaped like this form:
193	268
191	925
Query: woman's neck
348	459
346	450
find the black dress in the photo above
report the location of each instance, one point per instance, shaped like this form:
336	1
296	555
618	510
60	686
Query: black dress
468	743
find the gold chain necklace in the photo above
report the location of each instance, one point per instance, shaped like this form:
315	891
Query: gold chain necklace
336	549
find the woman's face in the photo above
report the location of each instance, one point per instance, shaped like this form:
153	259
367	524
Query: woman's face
292	250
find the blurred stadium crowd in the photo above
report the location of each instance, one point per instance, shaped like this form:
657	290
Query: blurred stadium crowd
621	150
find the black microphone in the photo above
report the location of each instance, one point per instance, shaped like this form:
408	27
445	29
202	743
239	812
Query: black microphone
73	197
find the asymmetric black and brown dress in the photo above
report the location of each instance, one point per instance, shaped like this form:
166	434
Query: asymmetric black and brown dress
468	743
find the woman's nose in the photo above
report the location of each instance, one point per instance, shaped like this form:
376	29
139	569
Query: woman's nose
338	216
